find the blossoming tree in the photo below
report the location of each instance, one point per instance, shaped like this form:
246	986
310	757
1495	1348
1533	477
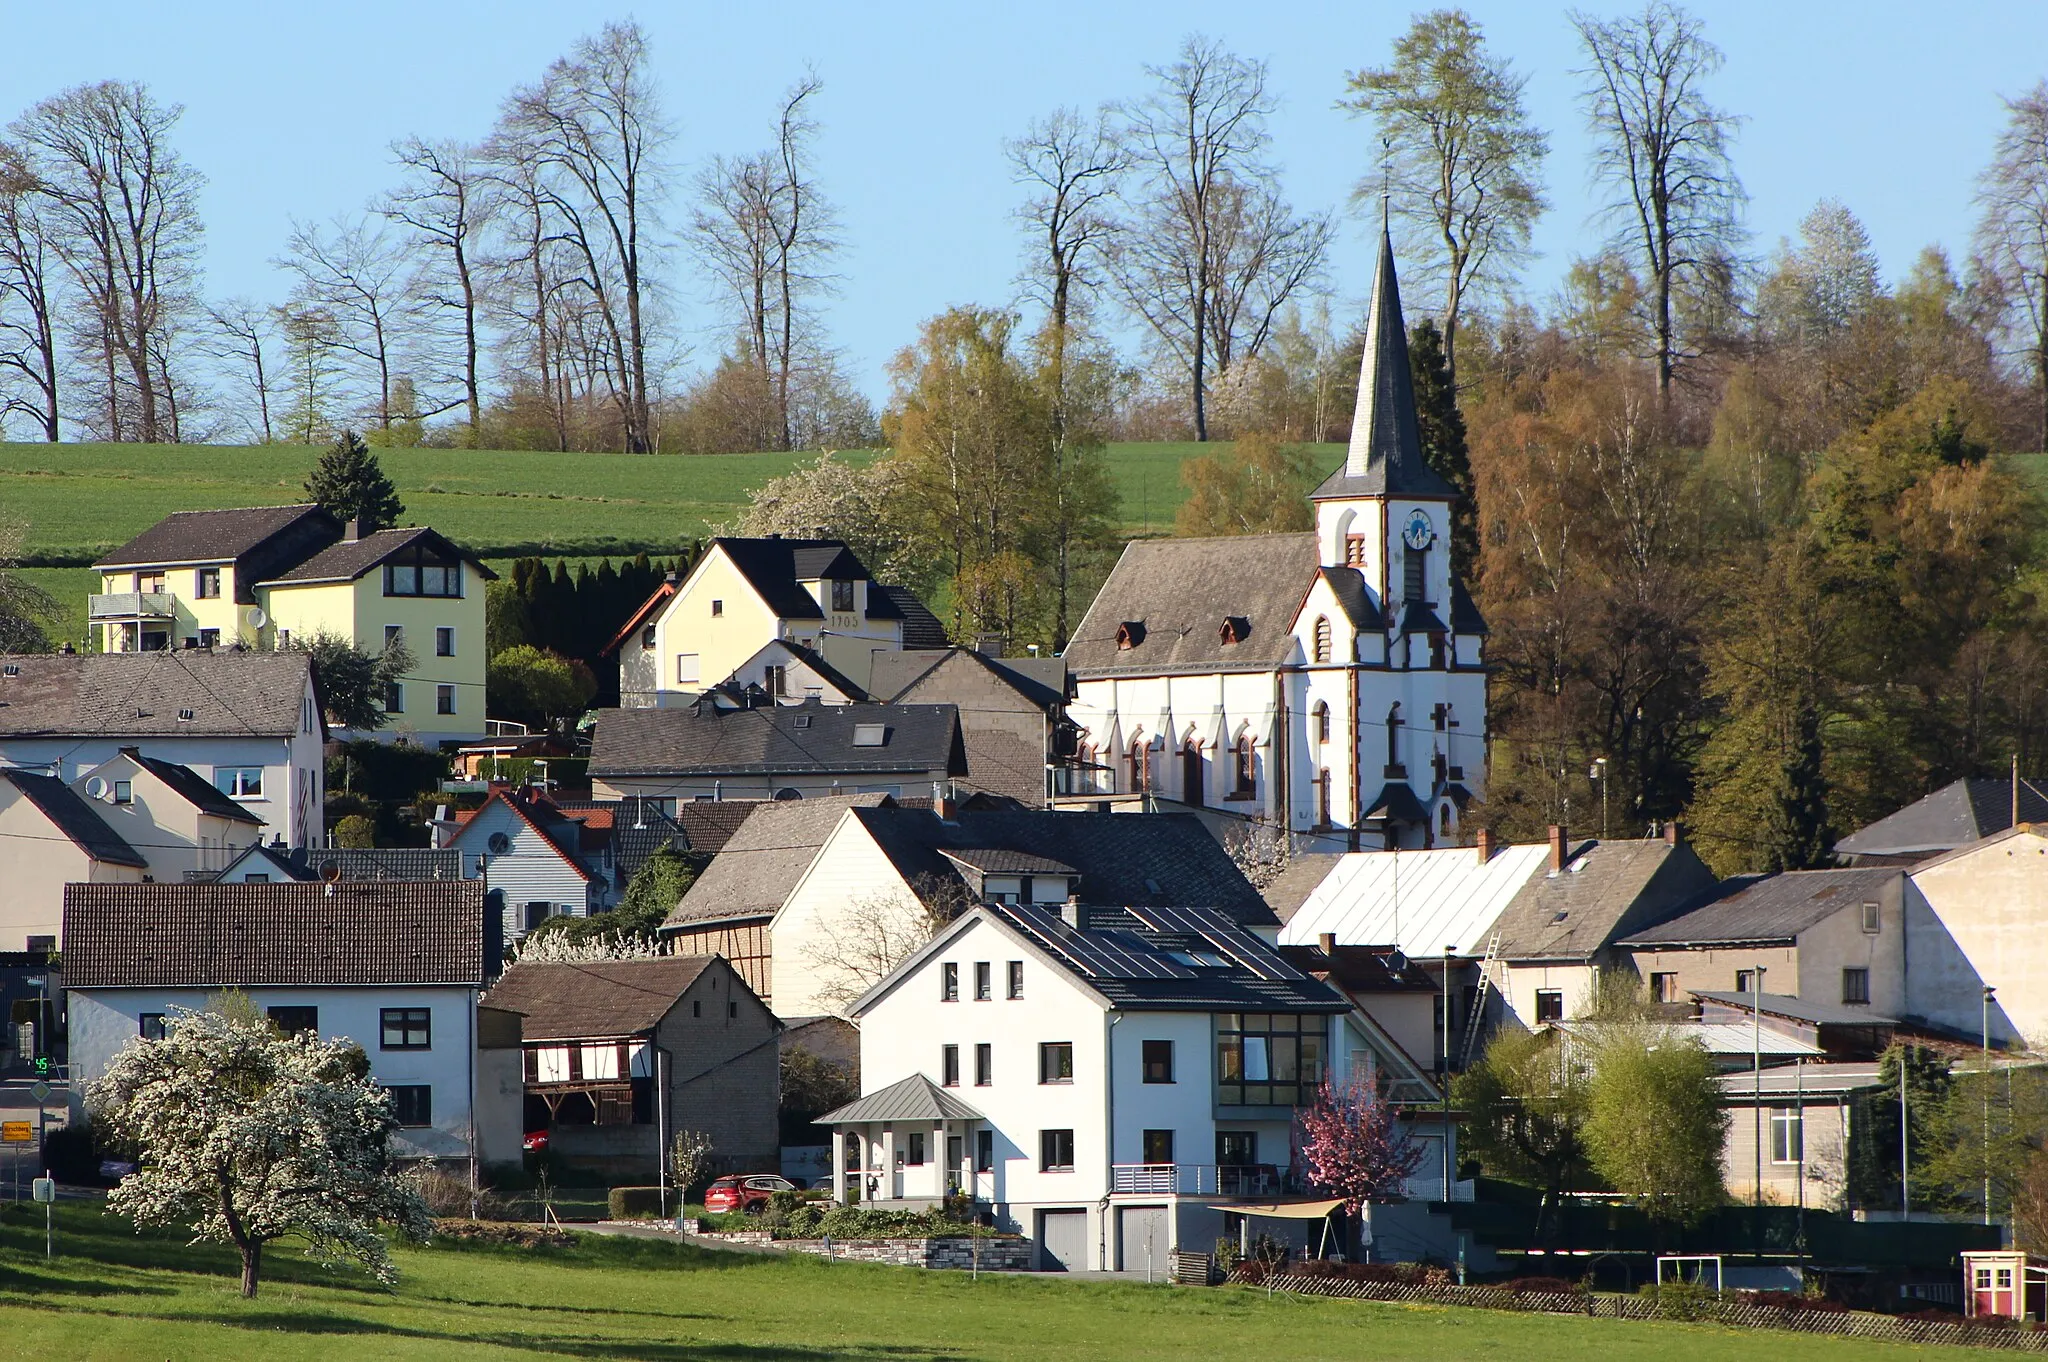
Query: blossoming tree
1351	1146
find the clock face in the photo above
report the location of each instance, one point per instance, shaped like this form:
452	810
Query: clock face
1418	533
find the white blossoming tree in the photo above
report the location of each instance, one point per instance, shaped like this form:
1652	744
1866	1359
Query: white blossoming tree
246	1135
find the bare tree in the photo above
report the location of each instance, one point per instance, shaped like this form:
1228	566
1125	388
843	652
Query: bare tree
871	934
28	268
359	277
1210	251
311	340
1464	161
592	132
445	203
242	328
1663	151
2012	235
528	280
122	208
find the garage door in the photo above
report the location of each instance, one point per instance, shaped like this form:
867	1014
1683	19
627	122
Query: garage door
1141	1239
1062	1241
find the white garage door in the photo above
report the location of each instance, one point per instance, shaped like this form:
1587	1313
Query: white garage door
1062	1241
1141	1239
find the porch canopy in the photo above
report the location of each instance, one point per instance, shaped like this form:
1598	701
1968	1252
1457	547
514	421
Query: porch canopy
915	1098
1281	1210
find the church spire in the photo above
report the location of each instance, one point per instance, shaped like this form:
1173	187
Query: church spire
1385	458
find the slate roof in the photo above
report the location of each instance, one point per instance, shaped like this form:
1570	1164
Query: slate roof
189	786
1960	812
74	816
1304	871
1181	590
708	824
753	874
217	536
1040	682
595	1000
1000	861
139	695
1795	1008
349	559
1354	598
807	738
1765	907
777	569
1164	860
1605	890
384	863
915	1098
1421	901
1362	969
921	628
221	935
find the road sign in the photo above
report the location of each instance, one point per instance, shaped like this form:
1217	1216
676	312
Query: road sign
40	1091
17	1132
44	1189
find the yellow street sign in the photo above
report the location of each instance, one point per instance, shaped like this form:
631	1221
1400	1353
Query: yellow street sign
17	1132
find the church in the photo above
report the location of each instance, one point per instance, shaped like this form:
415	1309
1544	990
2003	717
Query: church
1330	682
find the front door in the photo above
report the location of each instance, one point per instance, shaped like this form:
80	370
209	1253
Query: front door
1062	1241
1141	1239
956	1156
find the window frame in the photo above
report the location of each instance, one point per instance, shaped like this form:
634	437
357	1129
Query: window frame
310	1018
405	1022
984	981
444	640
1013	981
1258	1043
984	1064
150	1025
1873	919
423	1093
1053	1055
1549	1005
1148	1064
693	663
1052	1144
1226	1139
231	781
842	597
1147	1147
1856	986
913	1150
417	560
1788	1128
206	584
394	697
984	1150
949	981
444	697
949	1066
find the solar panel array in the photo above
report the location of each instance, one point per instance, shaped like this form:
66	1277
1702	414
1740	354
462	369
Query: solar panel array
1230	941
1095	954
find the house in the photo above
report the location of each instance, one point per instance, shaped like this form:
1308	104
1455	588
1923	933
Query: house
268	864
1974	957
1806	1118
801	751
258	577
533	858
250	722
1959	813
619	1054
1103	1081
50	836
1820	936
742	594
181	823
1330	683
1013	715
396	966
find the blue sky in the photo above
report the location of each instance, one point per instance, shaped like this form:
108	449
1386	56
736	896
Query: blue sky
290	108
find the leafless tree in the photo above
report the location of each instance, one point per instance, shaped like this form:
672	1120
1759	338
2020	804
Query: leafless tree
359	276
444	201
871	934
1662	150
592	132
528	278
28	281
1209	251
2012	235
241	331
122	209
764	229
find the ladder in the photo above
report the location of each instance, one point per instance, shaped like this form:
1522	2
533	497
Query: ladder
1474	1019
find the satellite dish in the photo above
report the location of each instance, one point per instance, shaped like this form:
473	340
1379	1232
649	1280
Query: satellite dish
96	788
257	619
330	871
500	844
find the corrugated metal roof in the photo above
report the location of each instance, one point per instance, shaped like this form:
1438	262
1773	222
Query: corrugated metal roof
1794	1008
1728	1038
1813	1080
1421	901
915	1098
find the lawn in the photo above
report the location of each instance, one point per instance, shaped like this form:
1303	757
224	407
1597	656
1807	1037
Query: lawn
113	1295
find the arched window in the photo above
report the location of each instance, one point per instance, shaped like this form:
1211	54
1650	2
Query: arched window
1141	763
1193	773
1323	797
1393	739
1322	720
1243	781
1322	646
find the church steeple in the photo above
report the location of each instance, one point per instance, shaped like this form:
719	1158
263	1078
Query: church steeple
1385	457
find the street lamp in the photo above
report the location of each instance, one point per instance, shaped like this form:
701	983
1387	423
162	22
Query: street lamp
1988	991
1449	951
1756	1025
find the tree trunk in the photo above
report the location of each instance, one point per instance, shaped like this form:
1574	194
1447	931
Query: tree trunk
252	1265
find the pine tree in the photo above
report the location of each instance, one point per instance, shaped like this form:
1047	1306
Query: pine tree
1802	836
350	484
1442	430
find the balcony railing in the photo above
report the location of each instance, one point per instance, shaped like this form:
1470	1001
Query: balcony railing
1202	1179
131	605
1432	1189
1083	782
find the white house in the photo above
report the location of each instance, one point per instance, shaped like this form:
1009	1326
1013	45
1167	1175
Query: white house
51	836
1330	682
1973	920
181	823
533	859
249	722
396	966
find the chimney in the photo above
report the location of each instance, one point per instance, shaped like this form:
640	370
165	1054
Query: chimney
1070	911
1485	844
1557	846
354	530
671	578
1674	835
1326	942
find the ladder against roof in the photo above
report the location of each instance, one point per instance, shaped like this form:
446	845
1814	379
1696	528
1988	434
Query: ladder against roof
1473	1018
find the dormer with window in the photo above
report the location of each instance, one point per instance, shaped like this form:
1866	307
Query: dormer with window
1130	634
1236	629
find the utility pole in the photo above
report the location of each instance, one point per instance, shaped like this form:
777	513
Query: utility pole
1448	952
1988	991
1905	1173
1756	1024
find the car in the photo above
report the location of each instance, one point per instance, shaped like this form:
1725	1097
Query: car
747	1192
536	1141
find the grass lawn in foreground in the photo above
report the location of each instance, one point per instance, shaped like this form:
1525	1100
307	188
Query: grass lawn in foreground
112	1295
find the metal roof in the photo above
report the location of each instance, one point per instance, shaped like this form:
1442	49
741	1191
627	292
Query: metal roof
1814	1080
915	1098
1750	908
1420	901
1960	812
1797	1009
1727	1038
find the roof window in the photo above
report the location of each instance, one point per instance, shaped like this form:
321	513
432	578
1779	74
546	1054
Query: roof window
870	735
1236	629
804	721
1130	633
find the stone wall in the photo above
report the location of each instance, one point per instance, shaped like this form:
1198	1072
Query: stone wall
1005	1254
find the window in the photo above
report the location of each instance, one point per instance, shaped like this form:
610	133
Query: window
208	638
1159	1061
1158	1146
1664	988
1055	1151
1242	769
444	641
444	699
394	637
1788	1136
1016	981
949	982
1322	638
696	1007
842	596
406	1028
150	582
1412	564
152	1025
984	1065
1193	775
949	1066
421	571
537	913
983	988
688	666
1873	919
1141	763
1267	1059
1745	981
717	609
124	792
296	1021
778	680
1549	1004
870	735
1236	1148
1354	550
1322	717
239	782
412	1104
206	584
394	698
732	1009
1056	1062
914	1153
984	1151
647	638
1855	985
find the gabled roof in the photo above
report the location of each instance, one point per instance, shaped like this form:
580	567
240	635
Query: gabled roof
264	859
759	866
1420	901
187	784
561	835
803	739
1002	861
1354	598
1300	877
1385	455
145	695
595	1000
1605	890
1181	589
960	676
223	935
73	816
648	609
633	827
1751	908
349	559
1960	812
220	536
915	1098
708	824
794	651
777	568
921	628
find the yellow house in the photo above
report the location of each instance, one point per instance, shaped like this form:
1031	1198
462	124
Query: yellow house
262	576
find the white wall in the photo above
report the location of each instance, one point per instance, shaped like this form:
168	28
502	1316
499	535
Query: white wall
1977	917
849	882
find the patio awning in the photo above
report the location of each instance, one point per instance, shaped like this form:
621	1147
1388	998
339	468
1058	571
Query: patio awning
1281	1210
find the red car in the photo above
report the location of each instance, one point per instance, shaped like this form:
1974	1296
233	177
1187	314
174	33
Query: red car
536	1141
747	1192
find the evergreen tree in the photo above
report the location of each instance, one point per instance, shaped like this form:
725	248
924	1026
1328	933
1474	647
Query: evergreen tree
1442	429
350	484
1802	836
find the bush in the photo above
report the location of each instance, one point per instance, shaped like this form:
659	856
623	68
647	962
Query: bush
1681	1300
1542	1286
493	1232
1372	1272
447	1194
634	1203
1792	1301
815	1220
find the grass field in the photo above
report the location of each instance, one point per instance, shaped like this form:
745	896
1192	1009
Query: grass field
113	1295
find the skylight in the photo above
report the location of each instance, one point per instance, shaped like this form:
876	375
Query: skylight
870	735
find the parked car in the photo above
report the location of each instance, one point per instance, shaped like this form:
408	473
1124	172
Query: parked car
747	1192
536	1141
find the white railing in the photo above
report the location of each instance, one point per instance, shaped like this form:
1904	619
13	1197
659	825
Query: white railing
1082	781
155	605
1198	1179
1432	1189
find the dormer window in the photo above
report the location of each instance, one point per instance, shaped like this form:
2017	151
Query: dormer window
1130	634
420	571
1236	629
842	597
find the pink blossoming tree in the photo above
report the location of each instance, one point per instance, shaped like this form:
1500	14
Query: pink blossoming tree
1350	1146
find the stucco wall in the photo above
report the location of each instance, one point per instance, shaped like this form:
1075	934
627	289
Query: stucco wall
36	862
815	941
1976	918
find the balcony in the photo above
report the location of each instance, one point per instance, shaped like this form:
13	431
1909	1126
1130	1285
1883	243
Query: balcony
1083	782
132	605
1202	1179
1432	1189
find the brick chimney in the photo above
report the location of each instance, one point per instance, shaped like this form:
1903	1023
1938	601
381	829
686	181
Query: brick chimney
353	531
1557	846
1674	835
1485	844
1327	943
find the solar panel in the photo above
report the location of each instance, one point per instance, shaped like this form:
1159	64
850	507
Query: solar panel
1097	954
1227	937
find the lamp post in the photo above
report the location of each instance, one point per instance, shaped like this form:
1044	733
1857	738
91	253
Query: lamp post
1448	952
1905	1129
1599	774
1988	991
1756	1029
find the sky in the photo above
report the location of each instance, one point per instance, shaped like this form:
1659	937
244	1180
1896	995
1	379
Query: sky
290	110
